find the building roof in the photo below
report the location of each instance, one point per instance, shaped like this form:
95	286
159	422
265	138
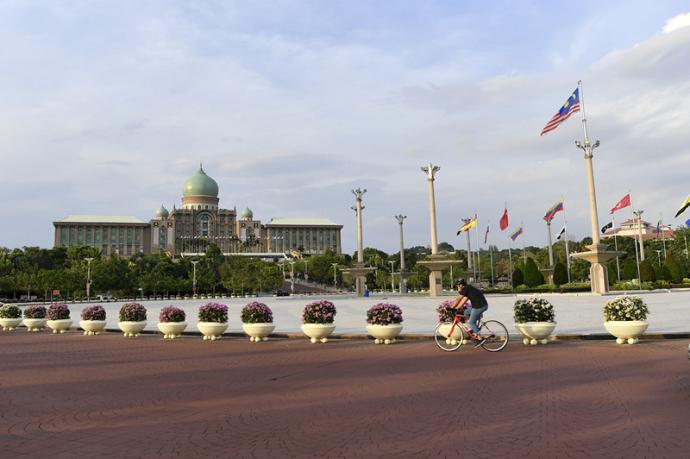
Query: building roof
100	219
200	184
301	222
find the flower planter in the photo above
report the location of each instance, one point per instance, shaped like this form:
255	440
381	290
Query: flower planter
453	338
131	329
172	330
384	334
35	325
92	327
59	326
626	330
10	324
212	330
258	331
535	332
318	332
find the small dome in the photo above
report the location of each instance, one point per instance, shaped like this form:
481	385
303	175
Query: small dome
247	214
200	184
162	212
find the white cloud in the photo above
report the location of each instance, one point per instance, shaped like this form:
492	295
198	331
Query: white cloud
677	22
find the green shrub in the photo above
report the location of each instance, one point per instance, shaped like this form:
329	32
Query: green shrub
560	274
533	310
518	277
647	271
532	275
625	308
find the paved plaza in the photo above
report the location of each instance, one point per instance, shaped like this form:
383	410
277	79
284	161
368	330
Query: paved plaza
576	314
69	395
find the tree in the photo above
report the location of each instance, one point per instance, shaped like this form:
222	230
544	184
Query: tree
532	275
518	277
629	269
675	272
647	271
560	274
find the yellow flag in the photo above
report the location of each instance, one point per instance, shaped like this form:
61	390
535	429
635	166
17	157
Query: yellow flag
683	206
466	227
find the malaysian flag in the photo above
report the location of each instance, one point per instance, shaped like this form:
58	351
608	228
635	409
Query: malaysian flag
570	106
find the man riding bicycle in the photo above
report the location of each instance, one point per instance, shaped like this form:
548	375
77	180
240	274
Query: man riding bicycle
479	306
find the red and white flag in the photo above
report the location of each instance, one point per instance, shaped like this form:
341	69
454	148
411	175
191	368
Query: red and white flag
503	224
625	202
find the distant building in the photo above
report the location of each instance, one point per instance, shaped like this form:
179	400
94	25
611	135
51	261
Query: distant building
200	222
631	227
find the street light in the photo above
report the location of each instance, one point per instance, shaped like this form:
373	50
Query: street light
88	277
306	275
194	263
658	254
292	276
335	273
392	263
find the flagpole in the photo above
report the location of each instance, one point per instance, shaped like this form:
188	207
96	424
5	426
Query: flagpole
637	255
663	237
565	234
615	242
476	234
524	250
491	255
510	263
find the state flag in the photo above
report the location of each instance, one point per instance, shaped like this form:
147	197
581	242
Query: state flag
607	226
560	235
503	223
486	234
469	223
624	202
683	206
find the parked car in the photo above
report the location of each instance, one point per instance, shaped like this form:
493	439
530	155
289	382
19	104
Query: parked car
105	297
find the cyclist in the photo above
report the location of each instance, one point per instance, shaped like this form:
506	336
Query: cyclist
479	306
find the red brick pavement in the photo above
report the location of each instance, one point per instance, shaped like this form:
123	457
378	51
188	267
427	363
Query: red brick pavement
106	396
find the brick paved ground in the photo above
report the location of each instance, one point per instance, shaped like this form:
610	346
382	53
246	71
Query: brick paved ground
105	396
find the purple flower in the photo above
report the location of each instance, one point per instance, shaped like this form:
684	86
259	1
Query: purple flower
446	311
58	311
384	314
319	312
213	312
95	312
132	312
256	312
35	311
171	314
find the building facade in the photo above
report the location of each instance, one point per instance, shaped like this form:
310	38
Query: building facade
634	227
198	223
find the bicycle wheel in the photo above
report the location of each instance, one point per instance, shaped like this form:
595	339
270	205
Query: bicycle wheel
447	340
496	335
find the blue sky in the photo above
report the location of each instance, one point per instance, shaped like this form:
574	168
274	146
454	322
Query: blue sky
109	106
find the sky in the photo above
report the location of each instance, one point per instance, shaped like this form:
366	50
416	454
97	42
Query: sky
108	106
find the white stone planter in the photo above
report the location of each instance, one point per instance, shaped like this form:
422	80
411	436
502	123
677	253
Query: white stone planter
92	327
172	330
132	329
535	332
453	338
258	331
212	330
59	326
35	325
10	324
384	334
626	330
318	332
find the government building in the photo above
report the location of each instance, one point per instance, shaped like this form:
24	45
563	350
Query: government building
198	223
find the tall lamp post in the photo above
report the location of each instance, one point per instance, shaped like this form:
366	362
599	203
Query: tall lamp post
194	263
359	271
335	274
292	276
436	263
403	285
88	277
598	254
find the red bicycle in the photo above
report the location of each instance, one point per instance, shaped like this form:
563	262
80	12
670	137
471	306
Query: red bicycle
449	336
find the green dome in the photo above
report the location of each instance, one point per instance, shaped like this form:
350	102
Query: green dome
247	214
200	184
162	212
